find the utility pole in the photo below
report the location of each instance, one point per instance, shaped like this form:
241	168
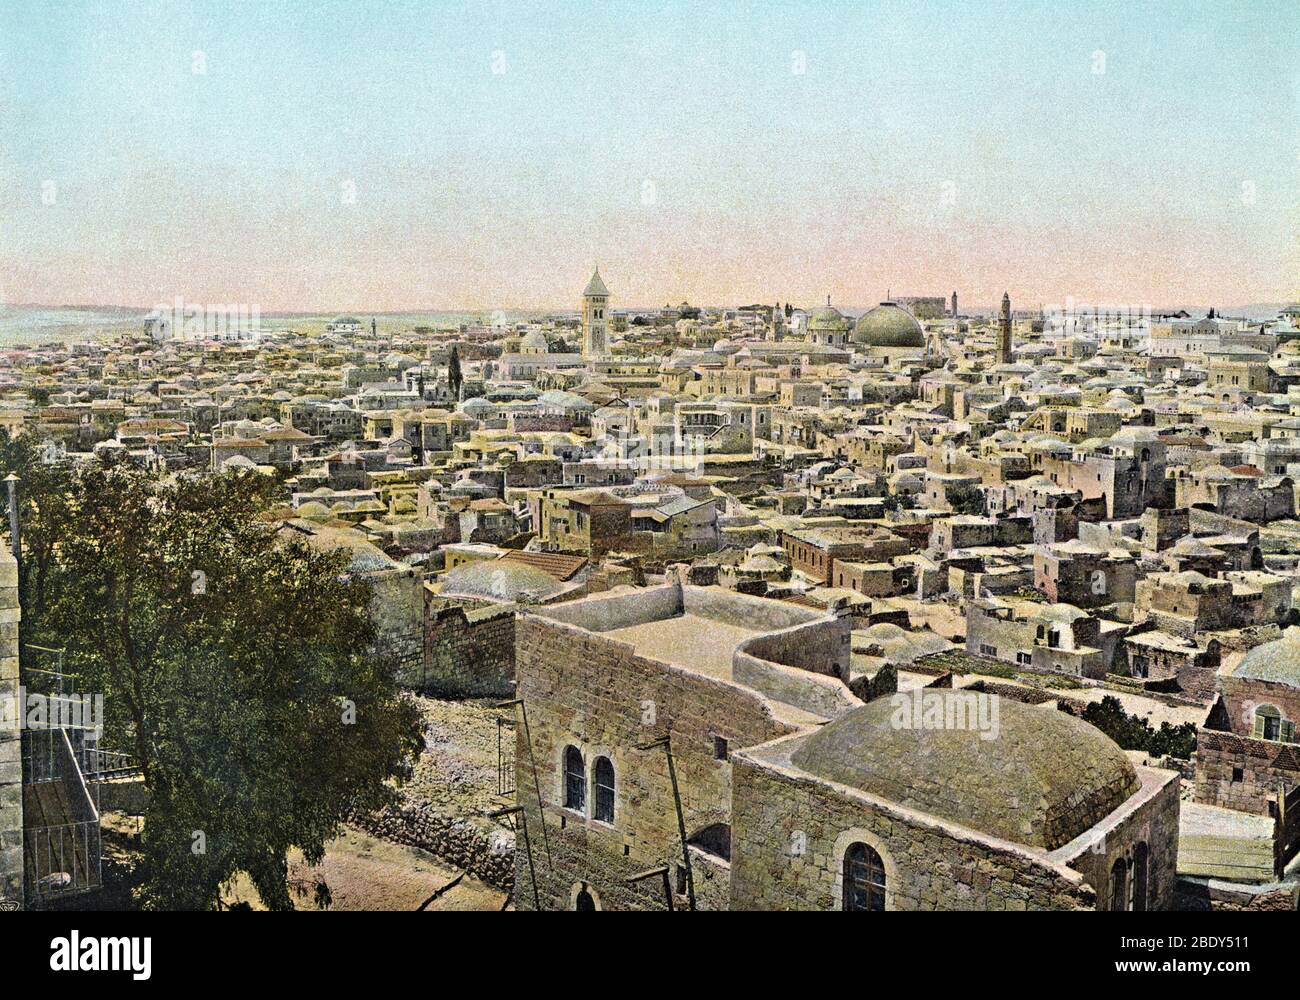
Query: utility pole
666	742
528	846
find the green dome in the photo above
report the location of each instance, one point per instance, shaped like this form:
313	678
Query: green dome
888	325
1044	779
828	318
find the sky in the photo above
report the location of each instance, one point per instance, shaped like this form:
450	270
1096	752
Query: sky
381	156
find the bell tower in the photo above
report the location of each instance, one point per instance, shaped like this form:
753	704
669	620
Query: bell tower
595	317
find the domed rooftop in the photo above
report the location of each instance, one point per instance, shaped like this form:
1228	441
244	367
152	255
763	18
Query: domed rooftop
1046	777
534	342
828	318
888	325
500	579
1277	661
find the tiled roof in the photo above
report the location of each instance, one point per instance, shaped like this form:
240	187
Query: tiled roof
557	564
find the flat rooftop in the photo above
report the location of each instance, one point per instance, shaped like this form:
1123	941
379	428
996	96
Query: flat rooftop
702	645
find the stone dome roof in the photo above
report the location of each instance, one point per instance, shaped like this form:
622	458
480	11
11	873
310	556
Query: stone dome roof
500	579
828	318
888	325
534	342
1046	778
1277	661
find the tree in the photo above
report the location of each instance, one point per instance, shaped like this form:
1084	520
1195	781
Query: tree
236	667
454	379
967	500
1134	733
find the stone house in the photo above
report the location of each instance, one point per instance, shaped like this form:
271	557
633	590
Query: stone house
792	793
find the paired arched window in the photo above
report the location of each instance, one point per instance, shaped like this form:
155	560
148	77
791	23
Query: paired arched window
602	785
575	780
603	780
864	878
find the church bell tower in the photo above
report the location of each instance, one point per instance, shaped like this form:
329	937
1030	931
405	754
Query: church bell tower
595	317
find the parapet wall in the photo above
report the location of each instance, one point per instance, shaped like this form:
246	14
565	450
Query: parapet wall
612	611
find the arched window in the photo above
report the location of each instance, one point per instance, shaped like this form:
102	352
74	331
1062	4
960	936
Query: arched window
575	780
864	879
1119	885
1268	723
603	779
1139	900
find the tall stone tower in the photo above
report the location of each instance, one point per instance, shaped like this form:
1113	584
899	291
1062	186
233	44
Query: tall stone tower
1004	331
595	317
11	767
954	305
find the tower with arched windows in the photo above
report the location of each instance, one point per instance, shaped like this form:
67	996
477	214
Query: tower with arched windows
595	317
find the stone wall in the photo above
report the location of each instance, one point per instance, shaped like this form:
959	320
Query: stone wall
1212	894
1239	772
467	653
11	765
792	833
475	844
826	696
820	647
1152	821
593	693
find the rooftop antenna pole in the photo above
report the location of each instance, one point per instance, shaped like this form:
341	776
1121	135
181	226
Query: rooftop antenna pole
528	847
666	742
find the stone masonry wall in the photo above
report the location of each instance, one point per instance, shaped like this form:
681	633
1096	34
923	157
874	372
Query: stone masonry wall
581	689
11	766
1264	767
790	835
1153	823
467	654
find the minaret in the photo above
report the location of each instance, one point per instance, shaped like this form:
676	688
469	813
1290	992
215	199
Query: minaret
1004	331
595	304
954	305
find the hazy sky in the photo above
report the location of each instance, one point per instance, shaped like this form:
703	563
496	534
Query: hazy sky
385	155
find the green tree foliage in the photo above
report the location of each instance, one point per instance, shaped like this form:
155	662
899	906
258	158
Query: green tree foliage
237	667
1134	733
967	500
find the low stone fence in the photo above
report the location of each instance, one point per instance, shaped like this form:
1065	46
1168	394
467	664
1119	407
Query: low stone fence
476	844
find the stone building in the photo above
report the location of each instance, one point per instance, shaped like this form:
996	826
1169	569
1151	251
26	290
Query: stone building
815	551
1077	573
791	792
1052	638
866	814
1247	753
595	318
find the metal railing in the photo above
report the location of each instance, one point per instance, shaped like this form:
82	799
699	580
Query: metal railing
505	756
63	859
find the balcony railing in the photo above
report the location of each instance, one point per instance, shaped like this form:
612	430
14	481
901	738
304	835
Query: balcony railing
63	859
